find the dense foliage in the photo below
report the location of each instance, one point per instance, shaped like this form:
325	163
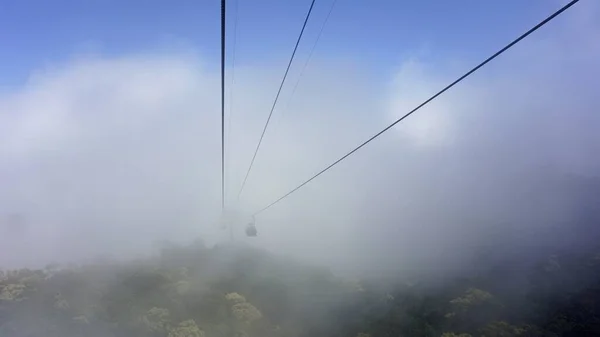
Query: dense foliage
196	291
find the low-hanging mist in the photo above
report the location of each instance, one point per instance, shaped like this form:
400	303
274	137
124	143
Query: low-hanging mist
476	216
107	155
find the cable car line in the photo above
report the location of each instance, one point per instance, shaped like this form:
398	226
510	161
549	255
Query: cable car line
498	53
222	104
276	98
232	82
312	50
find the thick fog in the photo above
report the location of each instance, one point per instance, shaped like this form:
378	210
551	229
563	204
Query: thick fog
107	155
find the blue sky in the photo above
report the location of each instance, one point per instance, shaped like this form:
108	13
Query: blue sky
35	34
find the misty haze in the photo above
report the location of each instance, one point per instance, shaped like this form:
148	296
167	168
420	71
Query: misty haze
478	215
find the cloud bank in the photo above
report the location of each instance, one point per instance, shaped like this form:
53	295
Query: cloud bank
104	155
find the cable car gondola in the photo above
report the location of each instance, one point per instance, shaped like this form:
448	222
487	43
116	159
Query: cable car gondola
251	228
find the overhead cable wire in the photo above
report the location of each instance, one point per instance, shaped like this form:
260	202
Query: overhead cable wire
312	50
232	83
222	104
508	46
276	98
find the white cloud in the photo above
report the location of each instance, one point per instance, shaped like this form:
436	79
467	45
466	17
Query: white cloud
112	153
532	103
121	151
431	125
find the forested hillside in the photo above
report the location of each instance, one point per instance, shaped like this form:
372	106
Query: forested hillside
196	291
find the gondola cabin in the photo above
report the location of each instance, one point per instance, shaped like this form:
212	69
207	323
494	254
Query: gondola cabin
251	229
